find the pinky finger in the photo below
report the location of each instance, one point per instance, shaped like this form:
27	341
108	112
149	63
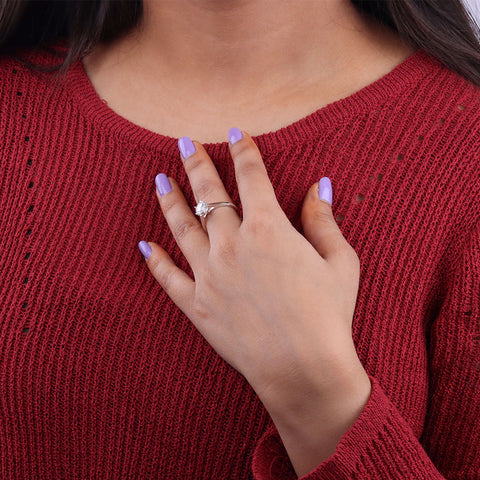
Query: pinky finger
176	283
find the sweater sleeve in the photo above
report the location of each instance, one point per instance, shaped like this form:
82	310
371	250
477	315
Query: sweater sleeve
380	444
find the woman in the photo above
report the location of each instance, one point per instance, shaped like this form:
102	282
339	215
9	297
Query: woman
297	332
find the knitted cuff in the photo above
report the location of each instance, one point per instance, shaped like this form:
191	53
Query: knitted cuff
379	445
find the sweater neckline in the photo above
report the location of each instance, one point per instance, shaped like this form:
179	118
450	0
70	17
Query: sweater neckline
410	71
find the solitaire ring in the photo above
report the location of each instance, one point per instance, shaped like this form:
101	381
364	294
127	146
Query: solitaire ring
202	209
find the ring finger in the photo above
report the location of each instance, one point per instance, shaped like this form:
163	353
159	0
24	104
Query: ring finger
208	186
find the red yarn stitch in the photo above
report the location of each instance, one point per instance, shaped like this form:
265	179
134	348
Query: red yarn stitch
102	376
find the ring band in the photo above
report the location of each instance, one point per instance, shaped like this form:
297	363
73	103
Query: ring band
202	209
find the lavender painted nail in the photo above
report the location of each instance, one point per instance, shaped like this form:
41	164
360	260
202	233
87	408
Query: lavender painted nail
234	135
325	190
186	147
162	183
144	248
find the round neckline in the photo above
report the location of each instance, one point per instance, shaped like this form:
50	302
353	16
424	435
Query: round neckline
408	72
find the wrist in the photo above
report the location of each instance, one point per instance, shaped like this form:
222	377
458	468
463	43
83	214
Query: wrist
312	433
325	382
343	397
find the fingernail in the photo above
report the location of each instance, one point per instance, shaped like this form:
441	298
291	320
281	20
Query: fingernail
144	248
325	189
186	147
234	135
162	183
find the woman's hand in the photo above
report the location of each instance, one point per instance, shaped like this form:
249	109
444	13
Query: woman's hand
277	306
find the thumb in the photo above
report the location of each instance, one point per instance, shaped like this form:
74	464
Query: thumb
319	225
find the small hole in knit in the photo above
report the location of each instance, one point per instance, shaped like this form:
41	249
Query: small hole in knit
29	231
421	137
27	139
400	156
25	330
24	116
27	256
461	107
30	208
340	218
19	94
30	185
360	197
25	305
380	177
14	71
29	161
441	121
25	280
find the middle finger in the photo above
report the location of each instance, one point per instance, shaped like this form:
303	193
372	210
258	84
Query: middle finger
208	186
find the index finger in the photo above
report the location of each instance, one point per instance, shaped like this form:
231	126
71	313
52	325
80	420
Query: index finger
254	186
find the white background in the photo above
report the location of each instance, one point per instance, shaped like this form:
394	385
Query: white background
474	7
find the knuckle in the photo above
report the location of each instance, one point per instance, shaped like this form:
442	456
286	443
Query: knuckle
195	162
200	309
168	202
241	148
245	158
205	189
247	166
353	258
348	254
321	217
165	275
183	228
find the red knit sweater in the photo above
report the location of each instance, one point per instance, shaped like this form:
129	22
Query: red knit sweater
103	377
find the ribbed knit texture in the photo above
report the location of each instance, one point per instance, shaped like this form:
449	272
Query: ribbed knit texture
103	377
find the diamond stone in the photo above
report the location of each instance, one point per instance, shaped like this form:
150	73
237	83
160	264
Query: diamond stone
201	208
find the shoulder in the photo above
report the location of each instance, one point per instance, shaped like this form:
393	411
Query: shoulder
455	101
435	124
446	98
30	101
441	113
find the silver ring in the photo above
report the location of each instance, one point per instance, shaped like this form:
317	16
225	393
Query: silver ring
202	209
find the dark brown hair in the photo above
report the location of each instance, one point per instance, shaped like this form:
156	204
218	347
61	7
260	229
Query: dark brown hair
443	28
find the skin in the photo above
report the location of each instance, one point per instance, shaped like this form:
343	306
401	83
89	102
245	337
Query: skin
198	67
276	305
